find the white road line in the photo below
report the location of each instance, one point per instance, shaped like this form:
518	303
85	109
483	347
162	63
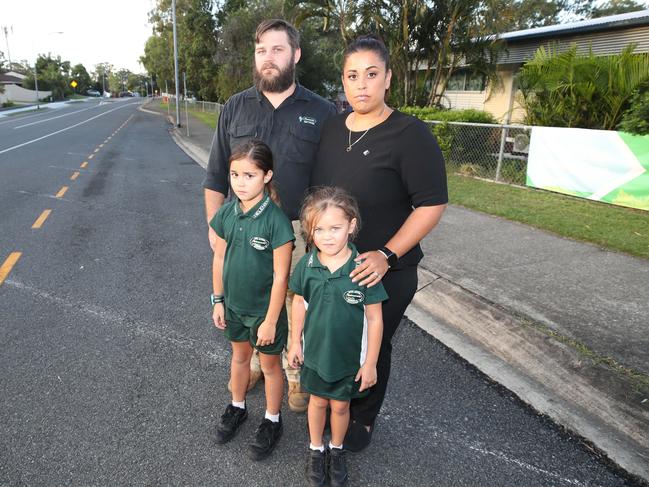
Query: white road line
52	118
63	130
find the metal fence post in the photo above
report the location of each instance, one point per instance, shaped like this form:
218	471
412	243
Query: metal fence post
501	152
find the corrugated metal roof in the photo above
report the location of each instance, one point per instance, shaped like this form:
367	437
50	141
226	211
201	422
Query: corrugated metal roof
601	43
610	22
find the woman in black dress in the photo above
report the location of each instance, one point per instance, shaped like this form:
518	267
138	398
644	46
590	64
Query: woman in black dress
391	163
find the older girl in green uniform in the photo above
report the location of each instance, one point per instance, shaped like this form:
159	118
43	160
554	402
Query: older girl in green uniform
251	267
342	324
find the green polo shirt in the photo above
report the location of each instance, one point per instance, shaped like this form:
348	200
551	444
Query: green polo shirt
248	263
335	330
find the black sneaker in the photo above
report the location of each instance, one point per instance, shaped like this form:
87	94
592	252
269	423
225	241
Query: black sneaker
316	468
231	419
266	438
337	467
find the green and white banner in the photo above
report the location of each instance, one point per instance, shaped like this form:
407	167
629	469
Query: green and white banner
599	165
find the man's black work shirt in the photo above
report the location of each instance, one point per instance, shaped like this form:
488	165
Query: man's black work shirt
292	131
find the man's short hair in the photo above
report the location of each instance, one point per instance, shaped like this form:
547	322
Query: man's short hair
279	24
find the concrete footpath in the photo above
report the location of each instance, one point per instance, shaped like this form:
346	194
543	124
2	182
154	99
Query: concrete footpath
562	324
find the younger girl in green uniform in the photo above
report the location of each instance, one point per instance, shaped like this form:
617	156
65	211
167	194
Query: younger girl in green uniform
251	267
342	324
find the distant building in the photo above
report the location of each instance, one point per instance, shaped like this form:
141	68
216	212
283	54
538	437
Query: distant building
13	91
605	36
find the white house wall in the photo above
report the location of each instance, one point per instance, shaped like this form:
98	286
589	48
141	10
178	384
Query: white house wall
19	94
460	100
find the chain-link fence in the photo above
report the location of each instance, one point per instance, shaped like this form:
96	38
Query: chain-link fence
496	152
194	115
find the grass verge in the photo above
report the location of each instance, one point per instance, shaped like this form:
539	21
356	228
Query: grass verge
612	227
208	118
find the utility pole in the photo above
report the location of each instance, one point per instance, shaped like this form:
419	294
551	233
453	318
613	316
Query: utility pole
173	13
38	106
6	31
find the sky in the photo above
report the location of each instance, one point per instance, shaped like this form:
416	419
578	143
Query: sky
91	33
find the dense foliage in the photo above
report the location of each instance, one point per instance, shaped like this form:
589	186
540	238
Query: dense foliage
636	119
568	89
435	114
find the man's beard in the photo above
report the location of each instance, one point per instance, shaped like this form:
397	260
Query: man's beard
276	83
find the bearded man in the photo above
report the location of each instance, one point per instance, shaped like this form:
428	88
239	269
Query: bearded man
287	117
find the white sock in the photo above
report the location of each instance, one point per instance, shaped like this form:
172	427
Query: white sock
273	417
239	404
331	446
317	448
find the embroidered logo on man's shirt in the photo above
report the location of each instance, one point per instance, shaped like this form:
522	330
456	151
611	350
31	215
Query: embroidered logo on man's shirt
308	120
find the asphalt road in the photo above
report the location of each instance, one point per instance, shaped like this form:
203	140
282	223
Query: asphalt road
113	375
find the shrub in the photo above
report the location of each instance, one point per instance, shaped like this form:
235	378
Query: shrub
636	119
435	114
7	104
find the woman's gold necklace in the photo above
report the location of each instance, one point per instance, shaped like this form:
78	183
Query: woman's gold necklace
349	139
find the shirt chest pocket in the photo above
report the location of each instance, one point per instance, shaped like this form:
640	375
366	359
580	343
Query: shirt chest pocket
240	134
302	143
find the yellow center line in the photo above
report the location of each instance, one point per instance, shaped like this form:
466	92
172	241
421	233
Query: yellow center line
91	156
75	175
8	264
41	219
61	192
85	164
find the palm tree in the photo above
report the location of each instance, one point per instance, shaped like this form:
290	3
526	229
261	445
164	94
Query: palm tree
568	89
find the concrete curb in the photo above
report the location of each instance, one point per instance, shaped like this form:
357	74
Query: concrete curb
198	154
591	399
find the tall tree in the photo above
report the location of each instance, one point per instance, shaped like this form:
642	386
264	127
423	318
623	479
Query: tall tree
101	76
316	69
498	16
81	76
591	10
197	44
53	75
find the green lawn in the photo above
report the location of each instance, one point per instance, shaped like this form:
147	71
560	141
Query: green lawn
208	118
612	227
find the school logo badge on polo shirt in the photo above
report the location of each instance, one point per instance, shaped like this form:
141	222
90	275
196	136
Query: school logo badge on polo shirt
259	243
353	296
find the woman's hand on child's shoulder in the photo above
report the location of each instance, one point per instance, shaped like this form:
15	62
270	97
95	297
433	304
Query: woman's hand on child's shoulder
218	315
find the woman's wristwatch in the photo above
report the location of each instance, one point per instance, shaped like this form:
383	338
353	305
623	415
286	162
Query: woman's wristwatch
390	256
216	299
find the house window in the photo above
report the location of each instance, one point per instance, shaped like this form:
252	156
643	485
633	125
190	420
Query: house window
465	80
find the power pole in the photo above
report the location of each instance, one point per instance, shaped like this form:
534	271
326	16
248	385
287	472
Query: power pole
6	31
173	14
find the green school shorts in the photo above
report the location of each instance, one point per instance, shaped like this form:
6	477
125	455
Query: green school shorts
243	328
344	389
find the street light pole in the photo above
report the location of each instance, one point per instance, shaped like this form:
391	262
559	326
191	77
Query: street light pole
38	106
173	14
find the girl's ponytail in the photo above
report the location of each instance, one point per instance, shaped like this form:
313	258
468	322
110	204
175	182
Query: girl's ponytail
272	192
